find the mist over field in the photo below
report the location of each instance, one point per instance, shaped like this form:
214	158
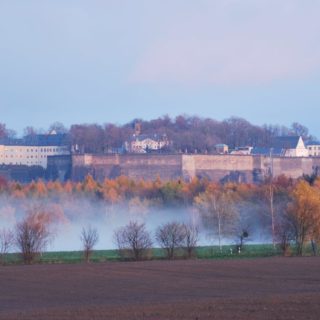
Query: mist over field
70	215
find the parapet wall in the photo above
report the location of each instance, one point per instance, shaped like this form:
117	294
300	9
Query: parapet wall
218	167
136	166
214	167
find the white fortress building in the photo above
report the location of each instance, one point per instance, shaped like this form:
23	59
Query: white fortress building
33	150
143	143
284	146
314	148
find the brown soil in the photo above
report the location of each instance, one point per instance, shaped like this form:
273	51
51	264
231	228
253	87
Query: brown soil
267	288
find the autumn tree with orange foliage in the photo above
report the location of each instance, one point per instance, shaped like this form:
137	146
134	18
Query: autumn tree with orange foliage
302	217
89	185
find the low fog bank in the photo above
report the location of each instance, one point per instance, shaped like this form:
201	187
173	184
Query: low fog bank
112	218
71	215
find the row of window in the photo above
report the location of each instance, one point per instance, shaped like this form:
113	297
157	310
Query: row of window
12	156
314	148
37	150
21	163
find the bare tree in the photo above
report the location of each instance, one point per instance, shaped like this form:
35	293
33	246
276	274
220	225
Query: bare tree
218	212
29	131
171	236
6	243
3	130
89	238
191	237
133	240
270	197
284	234
58	127
300	130
32	235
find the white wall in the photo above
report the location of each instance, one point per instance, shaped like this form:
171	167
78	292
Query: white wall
314	150
30	155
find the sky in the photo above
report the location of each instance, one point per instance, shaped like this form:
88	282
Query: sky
98	61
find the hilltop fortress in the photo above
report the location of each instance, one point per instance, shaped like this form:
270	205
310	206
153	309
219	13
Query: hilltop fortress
219	168
51	157
287	155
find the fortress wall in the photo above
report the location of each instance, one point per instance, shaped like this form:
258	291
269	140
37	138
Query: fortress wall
188	167
78	160
59	167
105	160
219	167
134	166
99	166
316	163
260	163
292	167
222	162
149	167
306	166
215	167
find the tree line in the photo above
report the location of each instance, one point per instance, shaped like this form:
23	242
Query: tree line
288	210
190	134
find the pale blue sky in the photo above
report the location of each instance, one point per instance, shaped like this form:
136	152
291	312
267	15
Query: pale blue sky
77	61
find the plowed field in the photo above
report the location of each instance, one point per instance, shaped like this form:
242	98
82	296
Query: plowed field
266	288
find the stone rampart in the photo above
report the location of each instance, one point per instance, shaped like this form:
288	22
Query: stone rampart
219	167
239	168
135	166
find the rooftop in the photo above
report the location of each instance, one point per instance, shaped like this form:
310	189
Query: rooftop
285	142
142	137
313	143
267	151
36	140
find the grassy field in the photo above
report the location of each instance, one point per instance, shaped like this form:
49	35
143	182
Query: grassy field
207	252
204	252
